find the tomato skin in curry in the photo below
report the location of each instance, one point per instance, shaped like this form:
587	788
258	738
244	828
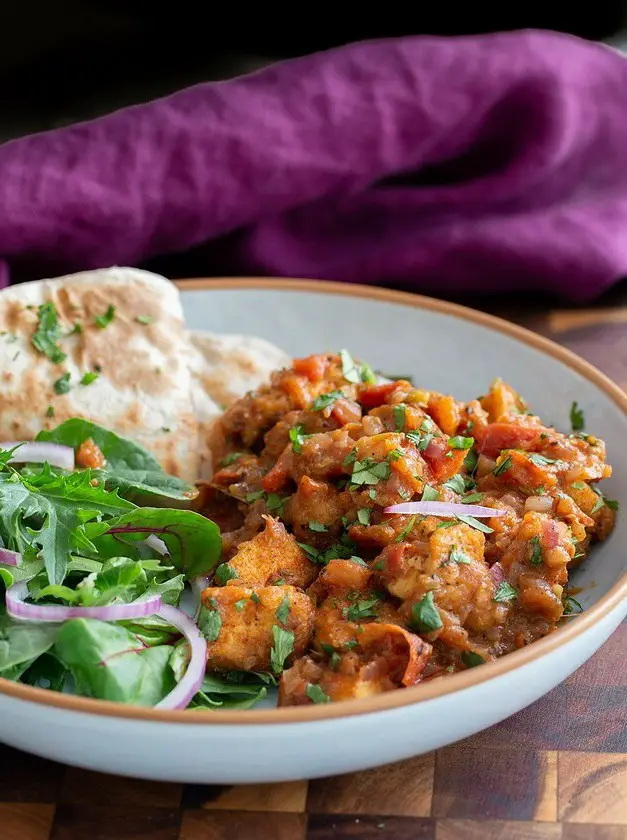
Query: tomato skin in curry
370	602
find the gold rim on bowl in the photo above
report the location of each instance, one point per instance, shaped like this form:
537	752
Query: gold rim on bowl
391	699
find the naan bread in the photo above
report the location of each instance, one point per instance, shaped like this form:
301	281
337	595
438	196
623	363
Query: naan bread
157	384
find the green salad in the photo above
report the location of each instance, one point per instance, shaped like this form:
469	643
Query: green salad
97	572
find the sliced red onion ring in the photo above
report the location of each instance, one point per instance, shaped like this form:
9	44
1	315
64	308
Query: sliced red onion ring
39	452
157	544
10	558
445	509
18	608
179	697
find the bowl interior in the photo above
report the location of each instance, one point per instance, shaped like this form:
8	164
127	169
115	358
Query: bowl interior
443	351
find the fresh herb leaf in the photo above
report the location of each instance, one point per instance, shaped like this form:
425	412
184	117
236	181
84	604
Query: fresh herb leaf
505	592
224	573
540	460
274	503
505	465
254	496
475	523
460	442
350	370
425	615
471	460
316	694
283	610
62	384
230	459
325	400
535	551
577	418
422	441
430	494
239	605
317	526
472	498
456	555
282	648
47	334
571	606
456	484
298	437
369	472
104	320
145	320
406	530
88	378
579	485
399	413
363	516
50	411
233	690
255	598
472	659
209	623
23	642
362	609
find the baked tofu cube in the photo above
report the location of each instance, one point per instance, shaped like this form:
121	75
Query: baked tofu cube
271	556
238	623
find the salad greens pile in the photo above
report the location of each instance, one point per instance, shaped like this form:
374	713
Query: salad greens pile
82	540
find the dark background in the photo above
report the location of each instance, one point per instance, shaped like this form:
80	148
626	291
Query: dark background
74	59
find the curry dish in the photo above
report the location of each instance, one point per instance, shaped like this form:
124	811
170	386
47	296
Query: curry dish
322	583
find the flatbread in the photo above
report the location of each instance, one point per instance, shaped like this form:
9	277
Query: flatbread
157	384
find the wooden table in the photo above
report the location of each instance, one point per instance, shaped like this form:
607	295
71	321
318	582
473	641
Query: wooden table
555	771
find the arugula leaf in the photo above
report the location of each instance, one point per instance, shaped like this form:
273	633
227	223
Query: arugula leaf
109	662
194	543
48	333
282	648
49	511
47	671
130	468
233	690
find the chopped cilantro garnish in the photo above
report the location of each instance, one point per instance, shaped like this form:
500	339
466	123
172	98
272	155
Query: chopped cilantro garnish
456	484
472	498
274	503
535	551
46	337
224	573
314	555
209	623
505	592
298	437
406	530
354	559
446	523
505	464
255	598
472	659
350	644
255	496
425	615
460	442
50	411
88	378
281	649
334	660
283	610
457	556
62	385
610	503
350	371
372	494
430	494
369	472
475	523
316	694
578	485
145	320
422	441
571	606
540	460
317	526
325	400
350	458
239	605
77	329
362	609
103	321
471	460
363	516
399	412
577	419
230	459
394	455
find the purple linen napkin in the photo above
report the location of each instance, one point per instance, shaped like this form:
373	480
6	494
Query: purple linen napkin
493	163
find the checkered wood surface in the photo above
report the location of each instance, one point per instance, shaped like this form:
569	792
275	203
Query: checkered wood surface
555	771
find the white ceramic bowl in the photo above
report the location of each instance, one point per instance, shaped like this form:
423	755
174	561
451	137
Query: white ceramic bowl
444	347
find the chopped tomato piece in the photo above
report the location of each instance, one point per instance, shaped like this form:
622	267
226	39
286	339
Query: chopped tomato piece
277	477
443	462
494	437
89	456
313	367
375	395
346	411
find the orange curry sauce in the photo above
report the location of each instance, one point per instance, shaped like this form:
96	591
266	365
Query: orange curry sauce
350	601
